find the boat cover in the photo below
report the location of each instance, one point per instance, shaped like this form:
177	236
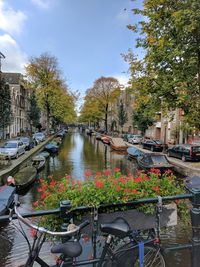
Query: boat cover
6	198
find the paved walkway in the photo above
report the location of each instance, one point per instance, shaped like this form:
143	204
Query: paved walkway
16	163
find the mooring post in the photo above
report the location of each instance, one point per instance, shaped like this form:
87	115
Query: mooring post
65	206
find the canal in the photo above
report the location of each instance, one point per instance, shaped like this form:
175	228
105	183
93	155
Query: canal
79	153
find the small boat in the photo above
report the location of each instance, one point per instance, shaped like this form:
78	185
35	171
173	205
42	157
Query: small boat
149	161
39	162
6	198
51	148
25	177
118	144
105	140
134	152
44	154
98	137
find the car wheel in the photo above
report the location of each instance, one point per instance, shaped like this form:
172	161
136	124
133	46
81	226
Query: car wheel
183	159
17	156
152	148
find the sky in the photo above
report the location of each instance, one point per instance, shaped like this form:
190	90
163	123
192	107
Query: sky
86	36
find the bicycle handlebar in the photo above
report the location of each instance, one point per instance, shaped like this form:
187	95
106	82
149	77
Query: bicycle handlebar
76	228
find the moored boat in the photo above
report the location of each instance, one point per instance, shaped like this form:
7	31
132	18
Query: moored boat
118	144
51	148
149	161
44	154
25	177
39	162
134	152
105	140
6	198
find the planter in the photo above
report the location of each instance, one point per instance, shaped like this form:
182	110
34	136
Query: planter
136	219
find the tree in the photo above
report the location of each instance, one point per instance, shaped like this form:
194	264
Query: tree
52	93
105	91
5	105
170	37
122	115
34	111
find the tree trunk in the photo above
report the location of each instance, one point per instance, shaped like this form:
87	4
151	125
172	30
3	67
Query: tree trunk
106	119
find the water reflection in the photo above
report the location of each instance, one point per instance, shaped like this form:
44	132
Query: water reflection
77	154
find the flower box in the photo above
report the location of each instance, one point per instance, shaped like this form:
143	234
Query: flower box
136	219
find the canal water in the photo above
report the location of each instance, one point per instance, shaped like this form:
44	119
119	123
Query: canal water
79	153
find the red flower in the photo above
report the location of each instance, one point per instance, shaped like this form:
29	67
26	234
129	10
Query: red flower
33	232
134	191
35	204
87	173
107	172
118	188
156	188
127	190
99	184
116	170
44	195
53	183
138	180
98	173
156	171
122	179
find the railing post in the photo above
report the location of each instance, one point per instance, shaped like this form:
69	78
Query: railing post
65	206
195	215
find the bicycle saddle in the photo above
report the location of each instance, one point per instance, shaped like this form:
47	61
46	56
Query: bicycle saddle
119	227
69	249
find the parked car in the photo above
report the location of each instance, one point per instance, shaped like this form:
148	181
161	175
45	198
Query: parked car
127	136
39	137
135	139
153	145
185	152
12	149
28	142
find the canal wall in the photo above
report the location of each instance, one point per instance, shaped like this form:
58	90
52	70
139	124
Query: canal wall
17	163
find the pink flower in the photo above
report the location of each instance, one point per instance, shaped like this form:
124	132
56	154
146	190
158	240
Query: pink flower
156	188
116	170
138	180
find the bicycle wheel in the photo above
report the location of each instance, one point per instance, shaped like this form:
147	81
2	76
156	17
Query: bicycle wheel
130	258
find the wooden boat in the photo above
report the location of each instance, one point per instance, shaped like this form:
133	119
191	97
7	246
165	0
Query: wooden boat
6	198
25	177
118	144
51	148
39	162
134	152
154	161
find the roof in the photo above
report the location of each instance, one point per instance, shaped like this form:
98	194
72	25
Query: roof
12	78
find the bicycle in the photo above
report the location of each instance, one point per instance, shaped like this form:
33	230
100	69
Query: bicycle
139	250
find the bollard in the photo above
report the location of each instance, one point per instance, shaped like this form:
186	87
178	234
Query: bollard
65	206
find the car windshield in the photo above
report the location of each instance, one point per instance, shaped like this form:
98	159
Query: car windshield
196	148
137	136
10	145
158	141
159	159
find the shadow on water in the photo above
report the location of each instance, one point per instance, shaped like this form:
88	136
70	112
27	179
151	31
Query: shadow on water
77	154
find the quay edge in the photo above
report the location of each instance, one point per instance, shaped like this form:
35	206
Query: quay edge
15	166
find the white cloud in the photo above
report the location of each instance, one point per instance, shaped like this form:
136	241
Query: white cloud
15	57
42	3
11	21
123	79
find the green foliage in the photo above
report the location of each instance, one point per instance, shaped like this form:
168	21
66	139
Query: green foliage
5	105
107	188
122	114
170	37
34	110
52	93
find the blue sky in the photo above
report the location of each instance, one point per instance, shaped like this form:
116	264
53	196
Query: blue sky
86	36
